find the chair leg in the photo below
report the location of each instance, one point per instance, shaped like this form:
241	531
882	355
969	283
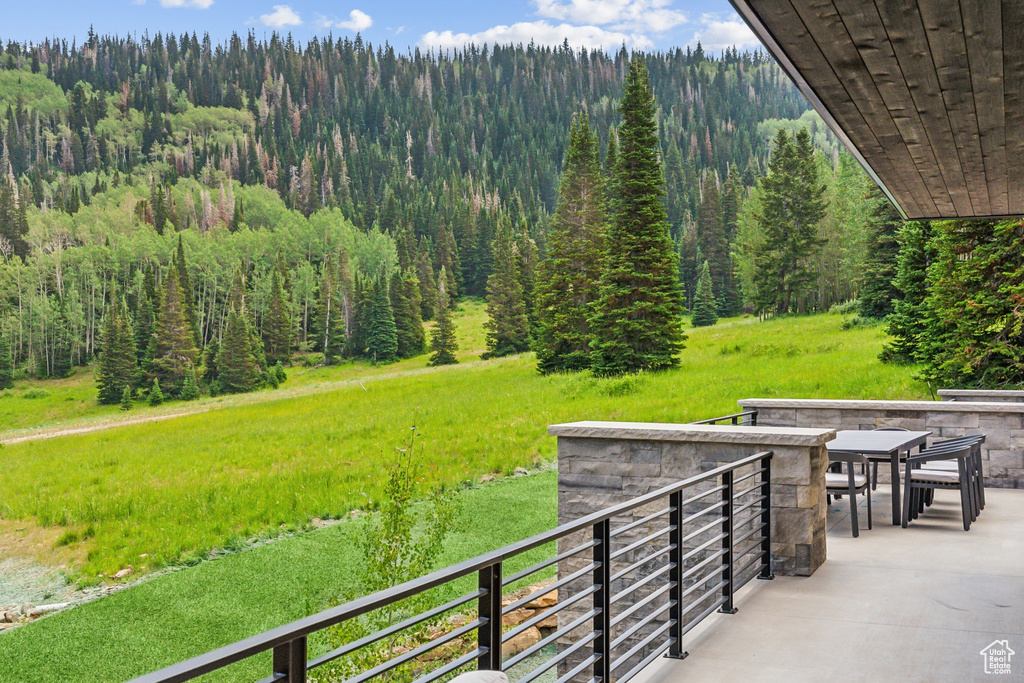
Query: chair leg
853	514
908	493
965	504
867	490
874	475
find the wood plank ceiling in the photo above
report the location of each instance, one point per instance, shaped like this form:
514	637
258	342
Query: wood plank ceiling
927	94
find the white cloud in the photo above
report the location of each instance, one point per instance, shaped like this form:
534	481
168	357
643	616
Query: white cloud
716	34
197	4
540	32
357	21
282	16
621	15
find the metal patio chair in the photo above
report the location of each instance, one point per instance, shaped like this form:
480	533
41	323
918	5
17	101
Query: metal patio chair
849	484
919	479
978	474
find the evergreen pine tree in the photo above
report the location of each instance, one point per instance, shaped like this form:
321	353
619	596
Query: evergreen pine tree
381	334
442	338
156	396
908	323
172	349
636	322
210	362
189	388
878	292
567	282
118	368
188	299
6	363
792	204
237	370
507	327
427	281
277	324
405	302
705	307
126	399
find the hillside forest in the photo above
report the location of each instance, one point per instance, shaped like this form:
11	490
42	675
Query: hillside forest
212	209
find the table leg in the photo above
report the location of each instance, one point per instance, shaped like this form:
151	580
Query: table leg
895	477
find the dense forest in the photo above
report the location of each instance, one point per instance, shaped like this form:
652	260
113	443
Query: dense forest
328	186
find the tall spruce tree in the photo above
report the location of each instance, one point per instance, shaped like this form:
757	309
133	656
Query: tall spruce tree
508	329
636	321
567	282
277	324
6	362
443	344
142	329
118	367
908	323
705	308
188	298
382	333
792	204
172	349
405	302
878	291
237	368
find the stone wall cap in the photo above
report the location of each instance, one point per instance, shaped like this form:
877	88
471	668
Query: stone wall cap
1016	393
658	431
846	404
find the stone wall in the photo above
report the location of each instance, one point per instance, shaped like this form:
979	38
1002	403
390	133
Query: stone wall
1002	423
603	464
982	395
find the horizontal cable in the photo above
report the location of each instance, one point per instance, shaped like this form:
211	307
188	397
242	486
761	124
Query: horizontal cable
714	590
396	628
642	644
737	584
745	506
704	529
646	661
648	518
452	666
413	654
579	621
641	562
639	605
642	622
720	487
713	576
547	563
511	607
707	560
642	542
552	611
578	669
702	547
700	617
747	534
748	476
756	544
564	654
711	508
639	584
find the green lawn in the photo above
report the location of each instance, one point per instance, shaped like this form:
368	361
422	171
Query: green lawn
161	493
188	612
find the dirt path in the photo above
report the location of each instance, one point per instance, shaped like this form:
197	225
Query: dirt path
99	426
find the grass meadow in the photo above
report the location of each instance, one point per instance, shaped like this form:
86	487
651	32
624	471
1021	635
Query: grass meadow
164	493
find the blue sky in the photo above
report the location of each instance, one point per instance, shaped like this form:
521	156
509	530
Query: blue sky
647	24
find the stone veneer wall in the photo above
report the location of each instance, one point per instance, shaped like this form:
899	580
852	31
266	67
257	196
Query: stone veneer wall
1002	423
601	464
982	395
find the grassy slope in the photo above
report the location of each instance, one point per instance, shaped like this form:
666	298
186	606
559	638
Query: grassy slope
173	490
219	602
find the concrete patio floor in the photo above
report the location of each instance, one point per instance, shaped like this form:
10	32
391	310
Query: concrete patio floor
916	604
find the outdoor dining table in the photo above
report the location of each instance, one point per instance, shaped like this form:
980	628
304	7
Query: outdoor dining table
881	445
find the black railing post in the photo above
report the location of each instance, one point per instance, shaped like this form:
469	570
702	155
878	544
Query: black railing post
727	530
675	556
766	519
488	635
753	419
602	601
290	661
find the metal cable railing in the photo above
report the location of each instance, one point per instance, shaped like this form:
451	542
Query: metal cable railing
633	580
